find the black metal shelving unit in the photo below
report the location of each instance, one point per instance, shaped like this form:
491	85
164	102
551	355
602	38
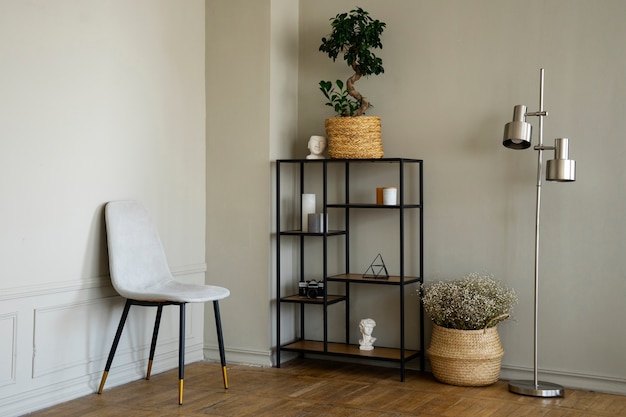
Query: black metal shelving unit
406	202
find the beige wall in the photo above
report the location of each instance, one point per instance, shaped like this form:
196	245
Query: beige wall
238	200
251	118
453	72
100	100
251	74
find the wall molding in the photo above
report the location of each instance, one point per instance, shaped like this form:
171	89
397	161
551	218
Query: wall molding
101	281
63	332
8	347
38	290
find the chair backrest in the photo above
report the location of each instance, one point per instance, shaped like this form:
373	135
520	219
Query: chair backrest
136	256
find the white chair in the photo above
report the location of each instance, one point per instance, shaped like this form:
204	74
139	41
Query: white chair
140	273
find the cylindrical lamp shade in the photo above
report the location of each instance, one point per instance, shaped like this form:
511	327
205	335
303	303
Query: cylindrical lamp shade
518	132
561	168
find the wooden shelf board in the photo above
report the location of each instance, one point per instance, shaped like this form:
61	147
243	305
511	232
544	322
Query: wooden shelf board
301	233
374	206
392	280
355	161
297	299
342	349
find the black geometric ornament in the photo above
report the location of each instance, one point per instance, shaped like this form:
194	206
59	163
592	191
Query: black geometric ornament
377	269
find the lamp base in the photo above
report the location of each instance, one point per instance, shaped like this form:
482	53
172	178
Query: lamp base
540	389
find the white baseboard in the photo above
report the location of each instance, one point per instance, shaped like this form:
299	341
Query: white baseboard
53	394
240	356
571	380
568	379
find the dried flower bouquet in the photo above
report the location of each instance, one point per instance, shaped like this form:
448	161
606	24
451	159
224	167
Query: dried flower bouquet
475	302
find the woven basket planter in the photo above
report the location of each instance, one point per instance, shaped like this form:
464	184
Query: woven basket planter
469	358
354	137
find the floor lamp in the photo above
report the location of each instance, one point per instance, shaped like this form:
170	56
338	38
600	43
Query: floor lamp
517	135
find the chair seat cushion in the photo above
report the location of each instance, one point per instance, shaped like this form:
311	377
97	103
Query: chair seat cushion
171	290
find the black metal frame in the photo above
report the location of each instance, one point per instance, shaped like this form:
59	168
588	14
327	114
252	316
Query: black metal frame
181	342
346	278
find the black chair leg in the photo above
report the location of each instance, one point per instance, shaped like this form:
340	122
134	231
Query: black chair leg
181	354
155	334
220	341
116	340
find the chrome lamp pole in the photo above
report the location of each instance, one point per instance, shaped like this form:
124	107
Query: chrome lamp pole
517	135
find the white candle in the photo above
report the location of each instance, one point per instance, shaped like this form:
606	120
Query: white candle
390	196
308	207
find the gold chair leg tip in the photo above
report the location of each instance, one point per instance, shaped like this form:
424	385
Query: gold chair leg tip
225	376
102	381
149	371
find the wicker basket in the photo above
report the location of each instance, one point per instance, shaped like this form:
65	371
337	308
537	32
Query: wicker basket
354	137
469	358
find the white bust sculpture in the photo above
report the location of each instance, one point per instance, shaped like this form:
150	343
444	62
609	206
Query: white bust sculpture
317	146
366	326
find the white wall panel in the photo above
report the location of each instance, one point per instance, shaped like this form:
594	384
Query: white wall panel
72	335
8	344
63	335
58	347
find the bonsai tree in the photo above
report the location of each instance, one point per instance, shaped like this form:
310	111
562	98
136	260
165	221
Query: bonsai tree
353	35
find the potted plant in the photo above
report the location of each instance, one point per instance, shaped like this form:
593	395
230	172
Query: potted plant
353	135
465	347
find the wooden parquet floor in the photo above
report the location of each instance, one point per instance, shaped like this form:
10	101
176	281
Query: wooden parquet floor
311	388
